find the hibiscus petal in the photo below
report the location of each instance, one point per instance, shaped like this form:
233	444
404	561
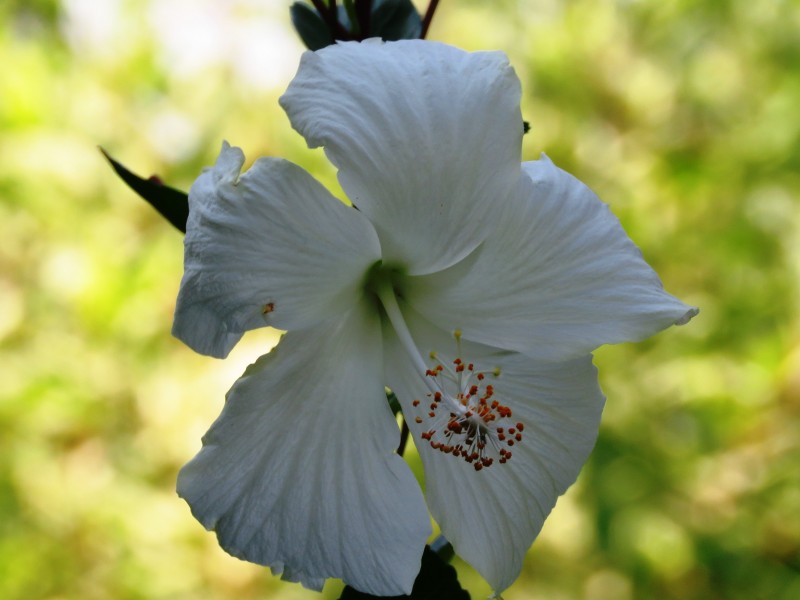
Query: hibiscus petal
557	278
493	520
300	471
493	515
426	138
271	247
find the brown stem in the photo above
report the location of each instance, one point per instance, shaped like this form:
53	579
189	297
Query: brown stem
426	21
401	448
363	12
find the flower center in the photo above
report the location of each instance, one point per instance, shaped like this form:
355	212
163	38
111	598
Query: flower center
461	416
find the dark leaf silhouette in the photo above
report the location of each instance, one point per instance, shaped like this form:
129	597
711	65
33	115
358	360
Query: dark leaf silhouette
171	203
436	581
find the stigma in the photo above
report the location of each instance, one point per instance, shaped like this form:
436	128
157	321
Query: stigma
462	417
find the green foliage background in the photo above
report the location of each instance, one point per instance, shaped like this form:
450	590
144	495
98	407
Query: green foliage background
682	114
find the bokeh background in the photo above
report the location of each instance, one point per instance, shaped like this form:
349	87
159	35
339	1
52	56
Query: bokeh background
683	115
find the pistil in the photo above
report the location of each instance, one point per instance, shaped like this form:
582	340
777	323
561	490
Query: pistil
386	295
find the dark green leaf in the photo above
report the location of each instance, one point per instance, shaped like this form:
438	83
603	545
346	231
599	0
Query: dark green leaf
352	17
344	17
443	548
310	26
395	20
394	403
436	581
171	203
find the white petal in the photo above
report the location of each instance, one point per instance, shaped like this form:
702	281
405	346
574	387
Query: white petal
300	471
426	137
492	516
557	278
492	521
271	247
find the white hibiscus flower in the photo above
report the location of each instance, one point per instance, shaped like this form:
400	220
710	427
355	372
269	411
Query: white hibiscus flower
473	286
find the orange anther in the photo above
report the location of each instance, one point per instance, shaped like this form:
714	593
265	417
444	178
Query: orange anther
415	403
520	426
418	419
268	308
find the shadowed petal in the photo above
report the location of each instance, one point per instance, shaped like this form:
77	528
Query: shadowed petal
271	247
426	137
300	471
558	278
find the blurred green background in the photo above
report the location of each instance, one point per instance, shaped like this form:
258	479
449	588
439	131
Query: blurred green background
683	115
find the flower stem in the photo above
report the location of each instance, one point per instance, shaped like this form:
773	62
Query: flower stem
426	21
401	448
364	13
